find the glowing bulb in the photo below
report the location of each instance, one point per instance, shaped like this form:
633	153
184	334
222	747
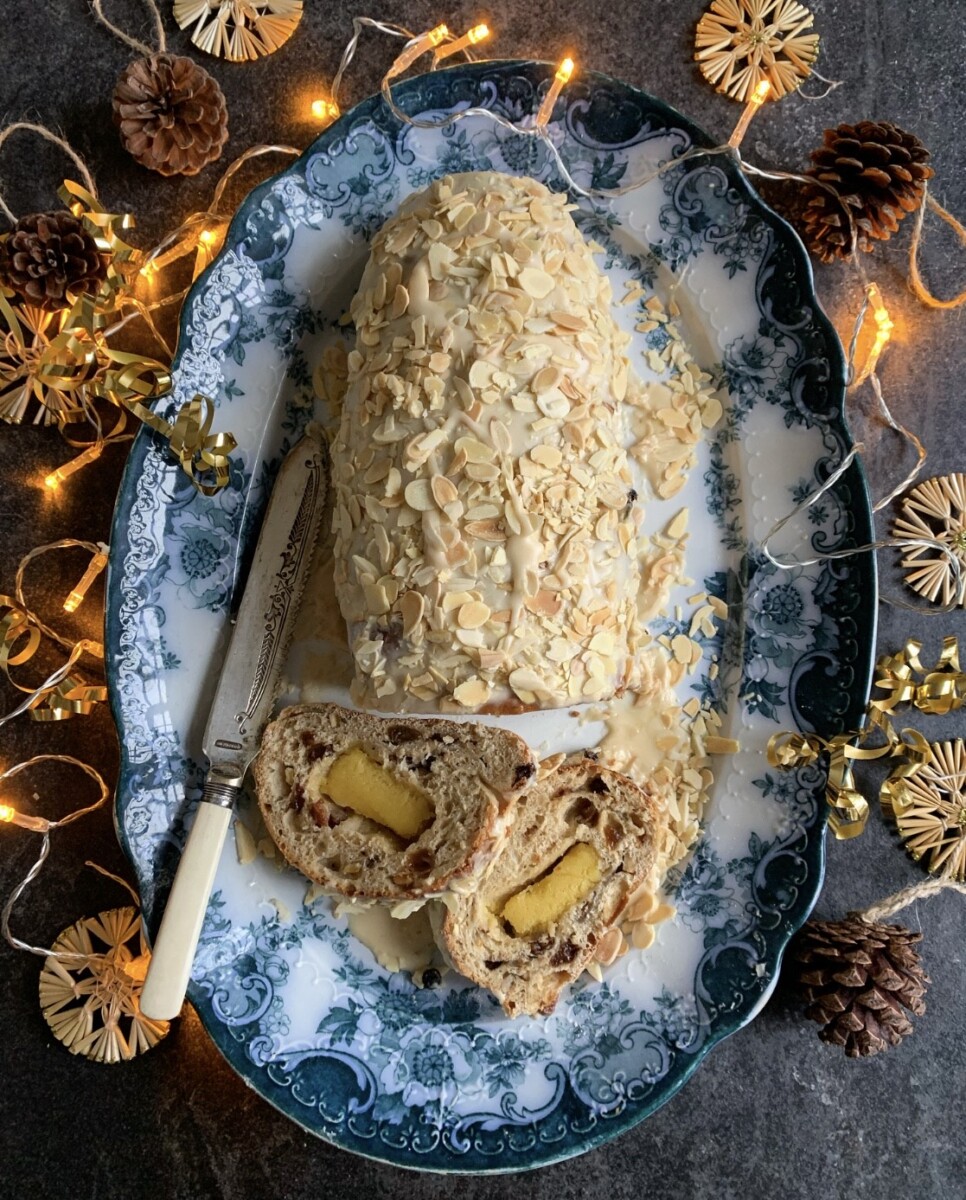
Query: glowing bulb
76	597
476	34
426	41
756	100
325	110
884	324
760	94
10	816
147	270
560	79
56	478
208	236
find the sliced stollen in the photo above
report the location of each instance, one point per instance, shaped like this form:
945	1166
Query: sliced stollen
582	837
331	782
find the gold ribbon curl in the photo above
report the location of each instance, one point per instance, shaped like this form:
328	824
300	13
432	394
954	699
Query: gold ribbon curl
905	681
63	362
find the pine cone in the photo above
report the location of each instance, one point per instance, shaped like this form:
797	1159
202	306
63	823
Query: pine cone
47	255
876	171
858	976
171	114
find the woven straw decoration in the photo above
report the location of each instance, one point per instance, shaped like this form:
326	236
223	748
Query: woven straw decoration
92	1001
931	819
239	30
741	42
936	510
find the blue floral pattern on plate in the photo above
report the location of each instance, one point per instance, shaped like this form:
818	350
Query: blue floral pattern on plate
437	1078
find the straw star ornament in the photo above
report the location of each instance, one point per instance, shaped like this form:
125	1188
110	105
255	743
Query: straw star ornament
931	814
239	30
739	43
90	993
936	511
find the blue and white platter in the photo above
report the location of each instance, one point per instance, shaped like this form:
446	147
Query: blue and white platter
437	1078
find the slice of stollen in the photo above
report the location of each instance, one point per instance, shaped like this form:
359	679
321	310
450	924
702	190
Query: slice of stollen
387	809
582	837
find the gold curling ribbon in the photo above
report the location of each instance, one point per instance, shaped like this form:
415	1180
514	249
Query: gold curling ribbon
848	808
903	677
190	439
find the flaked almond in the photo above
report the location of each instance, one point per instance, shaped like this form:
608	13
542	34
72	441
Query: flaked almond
400	302
472	693
536	283
419	495
481	472
473	615
546	456
487	531
525	679
545	603
411	607
481	373
567	320
476	452
677	525
721	745
642	935
609	947
501	437
444	490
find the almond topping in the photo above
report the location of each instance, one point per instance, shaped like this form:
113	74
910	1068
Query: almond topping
419	495
536	283
473	615
472	693
444	490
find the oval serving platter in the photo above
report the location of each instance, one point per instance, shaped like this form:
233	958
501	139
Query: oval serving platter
437	1078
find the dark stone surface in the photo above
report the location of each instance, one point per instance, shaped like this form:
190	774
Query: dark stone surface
772	1112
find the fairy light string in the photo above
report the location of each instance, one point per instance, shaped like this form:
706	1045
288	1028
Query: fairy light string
41	825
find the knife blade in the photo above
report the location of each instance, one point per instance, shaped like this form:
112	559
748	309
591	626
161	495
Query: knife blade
240	710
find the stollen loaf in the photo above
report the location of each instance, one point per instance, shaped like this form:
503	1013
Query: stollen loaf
484	516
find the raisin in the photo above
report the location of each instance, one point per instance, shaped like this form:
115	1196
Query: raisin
613	832
583	811
421	861
319	814
523	773
431	978
318	750
298	798
539	945
565	953
397	734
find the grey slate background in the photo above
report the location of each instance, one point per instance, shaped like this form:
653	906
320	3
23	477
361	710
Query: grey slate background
772	1112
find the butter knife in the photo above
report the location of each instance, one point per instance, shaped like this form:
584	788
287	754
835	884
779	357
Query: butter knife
240	711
